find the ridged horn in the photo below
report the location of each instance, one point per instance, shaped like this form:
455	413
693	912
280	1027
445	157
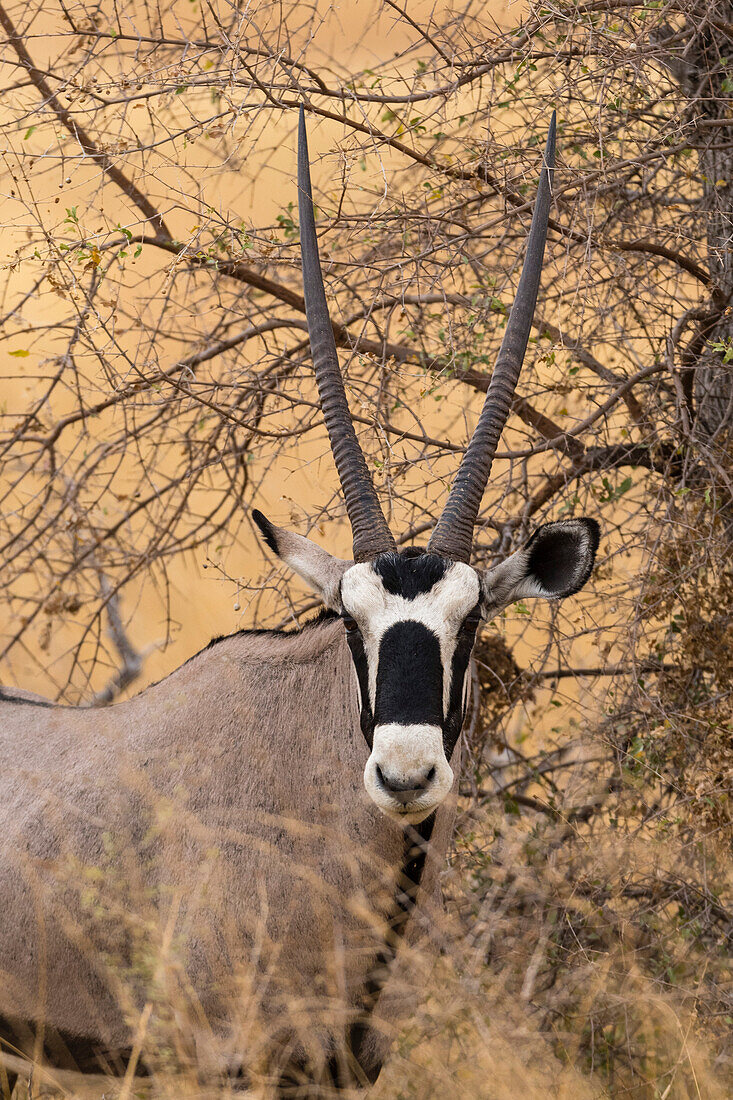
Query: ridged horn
453	534
369	528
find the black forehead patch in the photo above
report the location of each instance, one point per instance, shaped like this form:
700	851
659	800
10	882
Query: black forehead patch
409	572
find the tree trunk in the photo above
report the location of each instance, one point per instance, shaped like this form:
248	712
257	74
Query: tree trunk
710	84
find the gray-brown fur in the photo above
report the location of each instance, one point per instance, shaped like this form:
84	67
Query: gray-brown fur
231	794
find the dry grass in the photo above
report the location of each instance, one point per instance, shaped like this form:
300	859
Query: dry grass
543	987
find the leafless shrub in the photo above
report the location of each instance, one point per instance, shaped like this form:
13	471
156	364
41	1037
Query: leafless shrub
157	382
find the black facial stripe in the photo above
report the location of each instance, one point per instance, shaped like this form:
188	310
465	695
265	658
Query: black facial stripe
356	645
409	676
459	664
408	574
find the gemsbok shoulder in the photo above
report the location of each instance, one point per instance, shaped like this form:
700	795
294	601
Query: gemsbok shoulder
237	855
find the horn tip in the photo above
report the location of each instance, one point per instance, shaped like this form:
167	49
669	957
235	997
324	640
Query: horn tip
551	136
304	181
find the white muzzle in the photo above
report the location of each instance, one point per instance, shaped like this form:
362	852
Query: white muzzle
407	774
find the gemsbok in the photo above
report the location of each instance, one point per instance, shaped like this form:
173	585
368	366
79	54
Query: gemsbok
238	856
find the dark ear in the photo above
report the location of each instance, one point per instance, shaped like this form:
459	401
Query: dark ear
319	569
561	555
556	562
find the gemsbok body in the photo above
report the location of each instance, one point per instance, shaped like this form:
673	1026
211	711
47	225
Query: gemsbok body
236	857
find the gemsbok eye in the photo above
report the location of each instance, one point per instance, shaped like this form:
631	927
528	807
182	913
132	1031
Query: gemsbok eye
350	624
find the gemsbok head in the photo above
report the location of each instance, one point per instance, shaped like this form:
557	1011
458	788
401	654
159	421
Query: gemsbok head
411	615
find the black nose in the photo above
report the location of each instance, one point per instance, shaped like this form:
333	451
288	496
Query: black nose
408	789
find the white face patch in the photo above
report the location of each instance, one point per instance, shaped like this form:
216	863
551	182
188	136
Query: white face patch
404	755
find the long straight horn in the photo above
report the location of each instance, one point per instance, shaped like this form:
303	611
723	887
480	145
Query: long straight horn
453	534
368	526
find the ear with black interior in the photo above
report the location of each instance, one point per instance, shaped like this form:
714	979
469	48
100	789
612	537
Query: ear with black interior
556	562
319	569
